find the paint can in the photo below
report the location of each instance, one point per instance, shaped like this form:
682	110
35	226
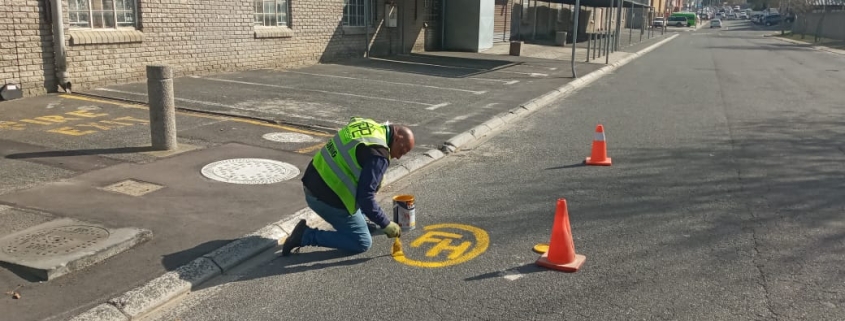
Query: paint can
404	212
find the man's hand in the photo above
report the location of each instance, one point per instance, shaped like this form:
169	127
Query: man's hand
392	230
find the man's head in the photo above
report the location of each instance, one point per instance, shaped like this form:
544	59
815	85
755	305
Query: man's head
403	141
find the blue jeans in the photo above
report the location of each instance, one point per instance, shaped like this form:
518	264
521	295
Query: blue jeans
352	233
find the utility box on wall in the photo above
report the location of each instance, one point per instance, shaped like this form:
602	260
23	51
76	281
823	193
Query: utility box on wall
391	16
468	25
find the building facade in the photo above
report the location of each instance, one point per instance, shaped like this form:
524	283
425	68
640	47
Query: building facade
111	41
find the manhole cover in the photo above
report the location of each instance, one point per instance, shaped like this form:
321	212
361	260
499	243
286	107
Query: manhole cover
251	171
133	187
289	137
55	241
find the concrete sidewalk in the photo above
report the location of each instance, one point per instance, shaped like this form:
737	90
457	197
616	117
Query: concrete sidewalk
71	157
437	94
88	159
547	50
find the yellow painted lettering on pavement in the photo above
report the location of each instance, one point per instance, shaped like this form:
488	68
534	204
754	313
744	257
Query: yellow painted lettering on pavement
450	243
82	123
56	119
71	131
34	122
194	114
130	118
94	125
85	113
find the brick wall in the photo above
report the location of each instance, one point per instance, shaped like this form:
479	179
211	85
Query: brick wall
26	46
196	37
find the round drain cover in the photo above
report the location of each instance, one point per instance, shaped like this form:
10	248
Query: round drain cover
289	137
251	171
55	241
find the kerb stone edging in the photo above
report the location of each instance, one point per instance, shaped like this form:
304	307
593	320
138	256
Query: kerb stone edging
462	139
155	293
812	46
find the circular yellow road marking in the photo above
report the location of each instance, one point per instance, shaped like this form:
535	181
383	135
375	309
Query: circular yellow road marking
437	234
541	248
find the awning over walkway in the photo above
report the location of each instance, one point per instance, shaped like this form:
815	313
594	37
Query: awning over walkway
604	3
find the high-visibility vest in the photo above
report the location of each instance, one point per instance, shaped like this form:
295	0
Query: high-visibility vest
336	162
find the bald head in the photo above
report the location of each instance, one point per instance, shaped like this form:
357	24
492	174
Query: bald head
403	141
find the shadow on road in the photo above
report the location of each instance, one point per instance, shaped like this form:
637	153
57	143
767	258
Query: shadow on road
523	269
786	173
430	65
766	47
581	164
82	152
174	260
307	261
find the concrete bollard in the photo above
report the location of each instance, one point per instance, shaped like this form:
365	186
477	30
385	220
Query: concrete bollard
162	107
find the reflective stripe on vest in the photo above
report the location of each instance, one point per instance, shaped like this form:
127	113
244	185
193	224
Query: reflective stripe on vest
342	173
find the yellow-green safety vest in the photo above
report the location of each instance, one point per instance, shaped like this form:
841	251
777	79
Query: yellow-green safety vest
336	162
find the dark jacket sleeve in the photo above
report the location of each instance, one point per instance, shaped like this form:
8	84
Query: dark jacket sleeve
372	171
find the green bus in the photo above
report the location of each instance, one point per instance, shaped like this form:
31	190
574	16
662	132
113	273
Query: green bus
691	17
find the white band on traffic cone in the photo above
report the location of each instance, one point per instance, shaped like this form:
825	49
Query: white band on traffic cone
598	137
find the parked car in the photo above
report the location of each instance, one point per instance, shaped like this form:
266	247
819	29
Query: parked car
743	15
657	23
790	17
771	19
715	23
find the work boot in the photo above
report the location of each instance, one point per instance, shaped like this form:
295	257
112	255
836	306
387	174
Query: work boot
295	239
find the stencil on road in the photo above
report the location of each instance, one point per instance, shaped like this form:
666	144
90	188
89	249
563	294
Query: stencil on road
447	244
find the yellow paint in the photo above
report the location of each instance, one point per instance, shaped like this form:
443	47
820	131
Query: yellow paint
56	119
397	248
195	114
130	118
309	149
94	125
541	248
465	251
85	113
71	131
85	125
293	129
34	122
445	245
11	125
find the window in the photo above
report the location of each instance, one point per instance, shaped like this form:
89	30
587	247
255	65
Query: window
100	14
271	13
353	12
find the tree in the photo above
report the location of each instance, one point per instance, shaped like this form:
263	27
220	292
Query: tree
759	5
818	34
800	8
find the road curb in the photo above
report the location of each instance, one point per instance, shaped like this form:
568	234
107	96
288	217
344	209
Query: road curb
798	42
148	297
456	142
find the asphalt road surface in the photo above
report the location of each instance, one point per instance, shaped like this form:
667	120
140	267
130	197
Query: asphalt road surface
724	202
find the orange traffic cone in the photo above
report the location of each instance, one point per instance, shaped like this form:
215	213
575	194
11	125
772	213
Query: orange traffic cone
561	254
599	154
